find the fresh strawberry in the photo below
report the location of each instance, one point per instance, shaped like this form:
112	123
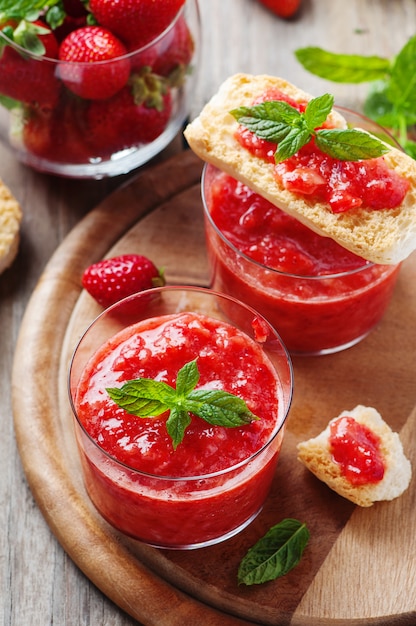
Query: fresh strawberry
175	58
136	115
282	8
88	77
110	280
136	22
29	78
58	135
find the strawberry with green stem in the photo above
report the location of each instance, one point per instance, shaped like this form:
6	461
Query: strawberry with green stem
174	61
113	279
170	56
136	115
82	69
24	77
19	20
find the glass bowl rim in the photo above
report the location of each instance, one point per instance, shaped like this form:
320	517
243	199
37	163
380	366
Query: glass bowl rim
34	57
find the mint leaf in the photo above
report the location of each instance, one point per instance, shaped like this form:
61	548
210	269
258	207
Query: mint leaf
291	130
350	144
187	379
401	89
219	408
144	397
268	120
343	68
177	423
292	143
275	554
392	98
141	397
318	109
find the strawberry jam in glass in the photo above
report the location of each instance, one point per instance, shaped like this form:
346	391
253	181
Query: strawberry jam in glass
92	101
215	481
320	297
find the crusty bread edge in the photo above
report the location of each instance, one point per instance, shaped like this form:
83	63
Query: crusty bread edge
386	237
10	220
316	456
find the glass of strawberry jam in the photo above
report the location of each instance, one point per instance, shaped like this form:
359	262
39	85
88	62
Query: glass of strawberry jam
188	474
319	296
99	91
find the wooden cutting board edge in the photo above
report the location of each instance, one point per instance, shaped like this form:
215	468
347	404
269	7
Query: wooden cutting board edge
52	291
110	566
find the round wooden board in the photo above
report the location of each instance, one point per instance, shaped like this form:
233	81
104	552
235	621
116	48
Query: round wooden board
358	567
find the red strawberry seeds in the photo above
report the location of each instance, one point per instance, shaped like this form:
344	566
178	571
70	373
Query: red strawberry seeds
111	280
136	22
94	80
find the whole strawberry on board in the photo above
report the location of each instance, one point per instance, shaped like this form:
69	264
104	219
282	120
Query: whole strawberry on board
110	280
136	22
282	8
88	77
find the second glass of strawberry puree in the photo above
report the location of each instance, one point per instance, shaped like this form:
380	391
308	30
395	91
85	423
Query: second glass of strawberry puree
322	299
215	482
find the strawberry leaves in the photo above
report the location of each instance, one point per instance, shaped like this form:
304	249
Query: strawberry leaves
144	397
281	123
24	9
26	31
27	35
275	554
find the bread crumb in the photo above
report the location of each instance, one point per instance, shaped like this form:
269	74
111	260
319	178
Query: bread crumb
315	454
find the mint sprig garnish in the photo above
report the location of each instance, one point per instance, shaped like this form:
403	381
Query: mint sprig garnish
275	554
145	397
281	123
391	100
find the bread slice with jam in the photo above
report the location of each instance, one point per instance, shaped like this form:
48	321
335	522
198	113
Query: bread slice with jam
10	219
385	236
370	485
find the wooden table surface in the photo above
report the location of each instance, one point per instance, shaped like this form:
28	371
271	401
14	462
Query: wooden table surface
39	584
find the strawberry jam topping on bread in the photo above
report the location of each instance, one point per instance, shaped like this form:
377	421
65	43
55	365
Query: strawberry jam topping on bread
386	235
316	176
359	457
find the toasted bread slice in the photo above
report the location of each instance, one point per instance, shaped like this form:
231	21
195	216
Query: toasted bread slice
10	218
385	236
316	455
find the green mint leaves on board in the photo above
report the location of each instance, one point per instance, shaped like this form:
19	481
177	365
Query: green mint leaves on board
275	554
144	397
279	122
391	99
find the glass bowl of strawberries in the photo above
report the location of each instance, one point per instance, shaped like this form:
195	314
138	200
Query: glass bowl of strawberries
95	89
